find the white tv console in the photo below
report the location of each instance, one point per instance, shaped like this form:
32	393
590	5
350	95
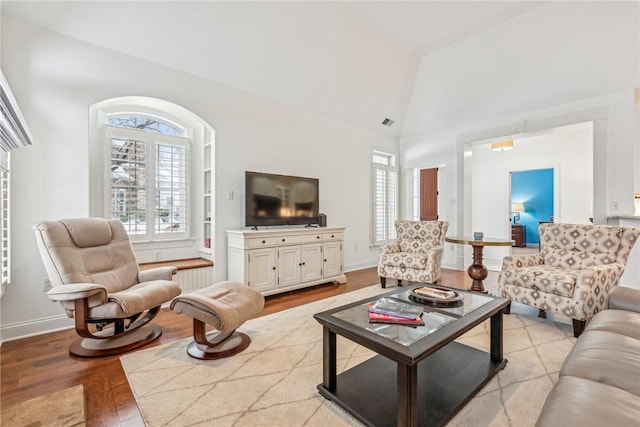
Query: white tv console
273	261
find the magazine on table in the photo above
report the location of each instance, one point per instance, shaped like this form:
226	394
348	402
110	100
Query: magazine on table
395	308
386	318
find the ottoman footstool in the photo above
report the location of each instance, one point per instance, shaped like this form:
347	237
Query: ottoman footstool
225	306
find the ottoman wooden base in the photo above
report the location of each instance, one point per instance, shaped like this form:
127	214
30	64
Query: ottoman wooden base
225	306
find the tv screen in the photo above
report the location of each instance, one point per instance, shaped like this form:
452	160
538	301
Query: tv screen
280	199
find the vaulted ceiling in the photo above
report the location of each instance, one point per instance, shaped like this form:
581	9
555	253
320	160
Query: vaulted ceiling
352	61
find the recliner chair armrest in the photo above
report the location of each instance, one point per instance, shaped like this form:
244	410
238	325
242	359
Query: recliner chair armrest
625	298
157	273
76	291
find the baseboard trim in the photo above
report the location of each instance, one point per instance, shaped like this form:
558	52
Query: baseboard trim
32	328
360	266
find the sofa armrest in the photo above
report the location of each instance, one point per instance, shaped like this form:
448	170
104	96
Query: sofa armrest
96	293
157	273
625	298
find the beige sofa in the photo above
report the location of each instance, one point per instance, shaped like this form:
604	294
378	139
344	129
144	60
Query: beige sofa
599	382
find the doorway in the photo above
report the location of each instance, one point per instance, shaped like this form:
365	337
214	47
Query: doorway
532	201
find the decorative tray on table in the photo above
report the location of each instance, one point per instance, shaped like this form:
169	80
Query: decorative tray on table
436	295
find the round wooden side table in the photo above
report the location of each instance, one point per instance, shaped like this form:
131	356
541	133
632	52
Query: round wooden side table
477	271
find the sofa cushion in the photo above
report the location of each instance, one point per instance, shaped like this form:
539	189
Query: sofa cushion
585	403
619	321
405	260
554	280
606	357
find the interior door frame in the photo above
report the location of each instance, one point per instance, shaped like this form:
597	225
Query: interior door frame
556	188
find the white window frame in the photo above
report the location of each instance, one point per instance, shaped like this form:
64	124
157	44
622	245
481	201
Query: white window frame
14	134
385	194
5	216
152	140
201	135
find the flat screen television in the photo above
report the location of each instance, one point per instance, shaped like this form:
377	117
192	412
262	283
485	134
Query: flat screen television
280	199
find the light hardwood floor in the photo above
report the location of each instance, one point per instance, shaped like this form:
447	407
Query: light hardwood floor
40	365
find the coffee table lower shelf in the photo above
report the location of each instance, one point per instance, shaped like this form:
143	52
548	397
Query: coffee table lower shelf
447	380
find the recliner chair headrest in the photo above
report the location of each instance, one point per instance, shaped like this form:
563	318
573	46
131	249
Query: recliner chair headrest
88	232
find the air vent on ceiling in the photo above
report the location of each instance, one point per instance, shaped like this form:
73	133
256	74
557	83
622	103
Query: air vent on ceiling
388	122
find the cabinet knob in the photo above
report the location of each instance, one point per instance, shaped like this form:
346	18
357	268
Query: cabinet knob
300	264
304	263
325	260
283	240
317	237
273	268
332	236
264	241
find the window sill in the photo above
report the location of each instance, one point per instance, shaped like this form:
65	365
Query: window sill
168	243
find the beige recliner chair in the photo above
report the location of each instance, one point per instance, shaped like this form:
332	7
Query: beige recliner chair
417	253
95	276
574	272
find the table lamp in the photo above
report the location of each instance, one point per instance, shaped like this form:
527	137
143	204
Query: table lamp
516	208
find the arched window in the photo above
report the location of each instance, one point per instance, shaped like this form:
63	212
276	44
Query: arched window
148	175
151	167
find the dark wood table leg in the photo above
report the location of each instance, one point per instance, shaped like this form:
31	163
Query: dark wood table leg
477	271
407	395
329	365
496	337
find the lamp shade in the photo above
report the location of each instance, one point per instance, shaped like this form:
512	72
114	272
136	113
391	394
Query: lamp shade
502	145
517	207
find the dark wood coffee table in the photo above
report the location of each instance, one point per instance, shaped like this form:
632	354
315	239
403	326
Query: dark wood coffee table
420	376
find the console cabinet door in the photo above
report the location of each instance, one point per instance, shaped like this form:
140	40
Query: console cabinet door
262	269
289	264
332	259
311	262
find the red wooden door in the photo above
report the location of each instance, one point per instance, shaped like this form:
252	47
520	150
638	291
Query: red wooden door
429	194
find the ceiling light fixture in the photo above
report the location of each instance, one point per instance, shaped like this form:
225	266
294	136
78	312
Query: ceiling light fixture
502	145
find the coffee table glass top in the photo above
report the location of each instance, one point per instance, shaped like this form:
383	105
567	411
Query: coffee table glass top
434	317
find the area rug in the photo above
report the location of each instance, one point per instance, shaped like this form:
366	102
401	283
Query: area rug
273	382
64	408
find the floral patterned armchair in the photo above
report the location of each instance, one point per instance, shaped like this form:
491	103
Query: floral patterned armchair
417	253
574	272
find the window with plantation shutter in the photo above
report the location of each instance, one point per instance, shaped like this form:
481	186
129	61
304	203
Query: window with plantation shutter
14	134
385	197
149	178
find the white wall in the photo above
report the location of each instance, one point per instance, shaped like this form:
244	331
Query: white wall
568	150
559	64
554	54
56	78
